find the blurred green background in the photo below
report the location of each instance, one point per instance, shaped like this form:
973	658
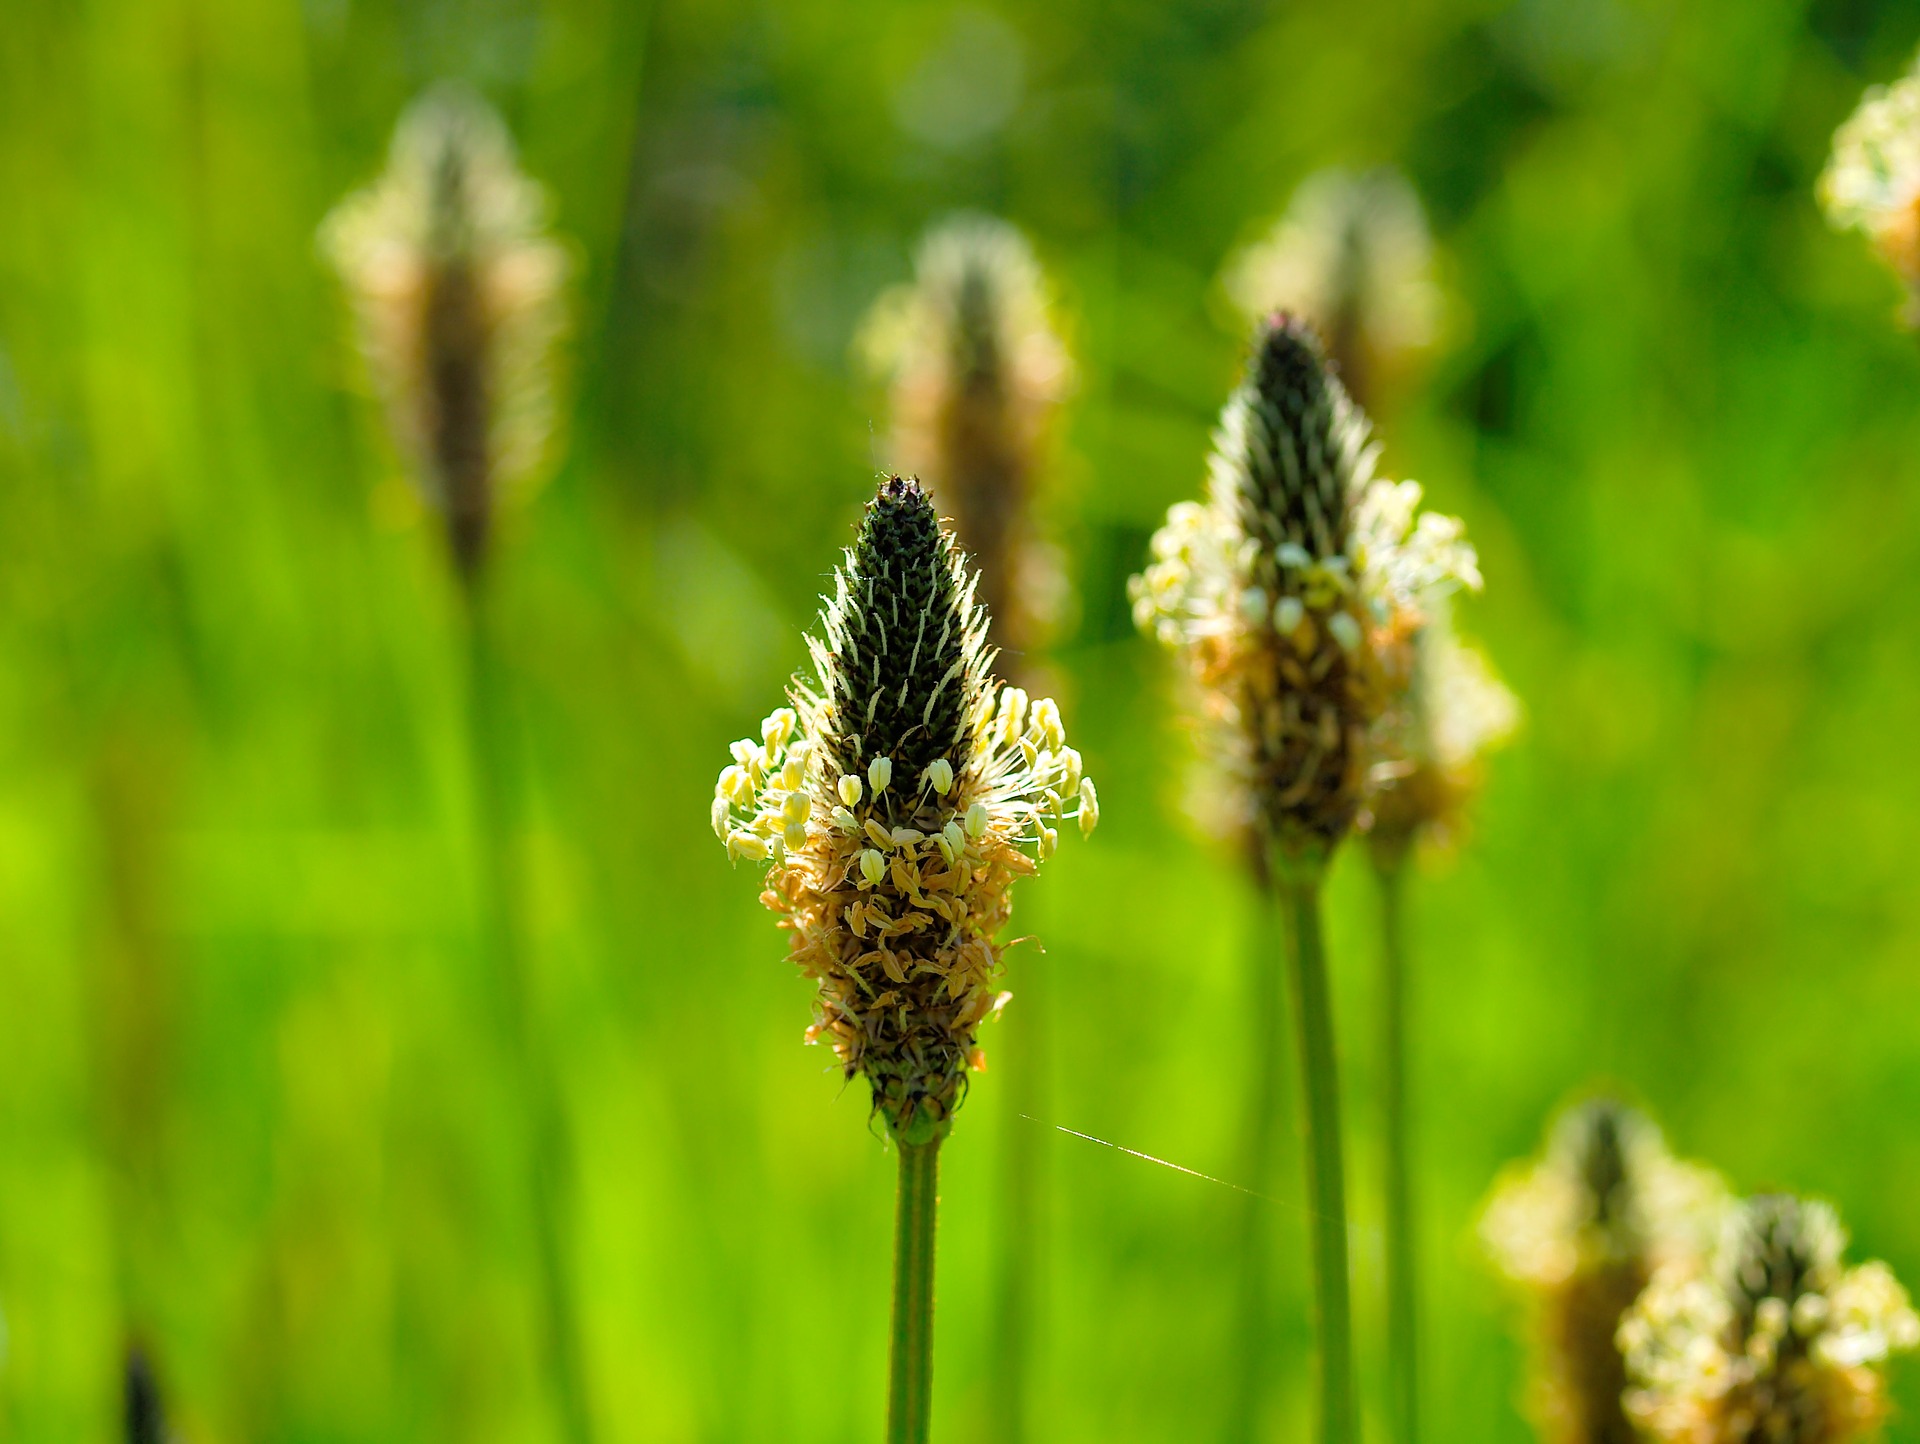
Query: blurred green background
252	1109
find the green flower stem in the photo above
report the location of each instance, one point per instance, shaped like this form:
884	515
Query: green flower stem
1266	1080
910	1382
1402	1294
1023	1047
1299	888
503	941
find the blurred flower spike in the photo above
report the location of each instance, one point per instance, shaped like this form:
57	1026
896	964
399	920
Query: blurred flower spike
1775	1343
1295	590
1872	180
973	351
1352	255
895	802
1579	1231
1426	754
456	290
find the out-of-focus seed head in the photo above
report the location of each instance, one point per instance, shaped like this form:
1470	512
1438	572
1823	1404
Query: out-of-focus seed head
1351	255
1292	588
456	290
1445	711
978	371
1775	1341
1578	1232
1872	181
923	788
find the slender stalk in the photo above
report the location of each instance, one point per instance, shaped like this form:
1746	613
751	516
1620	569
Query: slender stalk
1402	1291
1022	1254
503	939
910	1381
1265	1077
1299	889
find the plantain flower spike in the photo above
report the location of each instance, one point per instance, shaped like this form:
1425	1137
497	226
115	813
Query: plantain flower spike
1776	1343
895	802
1579	1231
1292	589
1427	751
1872	180
456	290
1352	255
978	372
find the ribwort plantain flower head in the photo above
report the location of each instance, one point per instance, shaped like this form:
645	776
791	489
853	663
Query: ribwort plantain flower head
895	801
978	371
1426	752
456	293
1579	1231
1872	180
1776	1342
1294	589
1352	255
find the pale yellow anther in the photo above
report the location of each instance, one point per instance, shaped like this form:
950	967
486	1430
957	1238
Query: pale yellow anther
722	812
797	808
1013	712
873	867
851	790
745	844
879	774
1070	769
940	775
956	837
945	844
906	837
778	728
795	771
1089	807
977	821
881	837
795	835
735	784
1049	840
845	820
746	752
1045	720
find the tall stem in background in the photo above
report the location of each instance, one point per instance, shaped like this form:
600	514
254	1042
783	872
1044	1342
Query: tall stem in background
1265	977
503	940
1402	1291
1023	1253
910	1364
1299	890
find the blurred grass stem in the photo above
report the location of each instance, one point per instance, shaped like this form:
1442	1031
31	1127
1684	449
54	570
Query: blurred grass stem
503	939
1298	883
1402	1293
910	1383
1266	979
1022	1255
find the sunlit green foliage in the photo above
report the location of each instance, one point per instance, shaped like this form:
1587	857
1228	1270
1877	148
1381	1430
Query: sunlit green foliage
251	1105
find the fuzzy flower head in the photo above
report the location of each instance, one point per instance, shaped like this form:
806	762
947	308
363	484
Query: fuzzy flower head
1352	255
978	371
1872	180
1294	589
895	802
1776	1343
1579	1231
456	292
1427	750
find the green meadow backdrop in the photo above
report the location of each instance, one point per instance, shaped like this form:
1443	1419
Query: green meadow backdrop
254	1112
